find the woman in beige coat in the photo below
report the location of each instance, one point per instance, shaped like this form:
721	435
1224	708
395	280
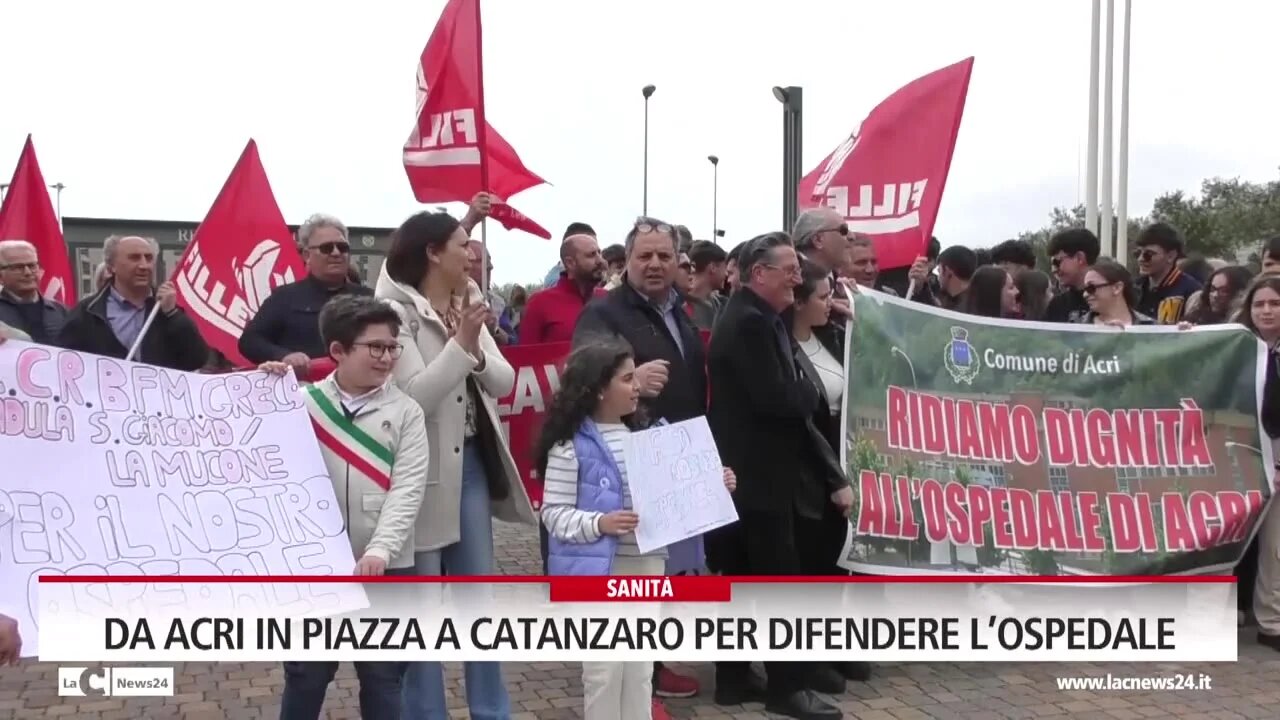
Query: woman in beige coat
452	367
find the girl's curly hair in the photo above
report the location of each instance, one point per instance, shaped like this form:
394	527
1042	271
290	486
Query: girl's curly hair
587	373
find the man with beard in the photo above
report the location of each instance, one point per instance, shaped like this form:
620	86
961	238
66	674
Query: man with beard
552	313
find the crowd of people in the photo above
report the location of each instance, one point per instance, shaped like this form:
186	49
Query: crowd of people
419	371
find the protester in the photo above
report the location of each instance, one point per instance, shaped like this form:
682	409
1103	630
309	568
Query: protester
921	271
111	321
731	271
587	504
21	304
1271	255
991	293
645	311
684	238
863	266
703	297
1014	256
357	408
1071	253
513	316
453	368
684	274
761	415
1219	299
553	312
575	228
480	258
1034	293
956	266
10	638
616	257
1163	289
821	235
1198	268
286	327
1112	296
1260	313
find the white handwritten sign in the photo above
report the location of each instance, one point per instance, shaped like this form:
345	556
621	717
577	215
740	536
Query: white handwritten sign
113	468
677	483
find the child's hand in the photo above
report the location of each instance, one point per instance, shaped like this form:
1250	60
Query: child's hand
275	367
618	522
730	480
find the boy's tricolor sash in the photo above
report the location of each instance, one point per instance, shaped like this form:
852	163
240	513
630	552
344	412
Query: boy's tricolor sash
342	437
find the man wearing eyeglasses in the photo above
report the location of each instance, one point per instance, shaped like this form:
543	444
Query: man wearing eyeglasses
1163	289
21	305
822	237
1071	252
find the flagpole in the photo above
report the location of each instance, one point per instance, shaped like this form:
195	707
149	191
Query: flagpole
1122	198
1107	195
1091	171
482	128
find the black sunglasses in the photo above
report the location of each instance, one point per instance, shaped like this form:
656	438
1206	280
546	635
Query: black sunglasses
1091	288
1144	254
842	229
328	248
687	267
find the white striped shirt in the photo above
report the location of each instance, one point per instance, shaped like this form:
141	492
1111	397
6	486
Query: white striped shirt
560	511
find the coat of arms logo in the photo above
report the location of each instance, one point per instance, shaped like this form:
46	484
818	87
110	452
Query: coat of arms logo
960	358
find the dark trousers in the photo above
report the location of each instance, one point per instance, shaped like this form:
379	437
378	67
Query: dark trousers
767	543
305	683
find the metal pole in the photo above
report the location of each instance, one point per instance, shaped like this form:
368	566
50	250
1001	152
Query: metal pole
1122	200
715	195
1106	195
647	91
58	201
1091	168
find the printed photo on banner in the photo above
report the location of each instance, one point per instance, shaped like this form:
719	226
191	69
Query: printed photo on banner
977	446
115	468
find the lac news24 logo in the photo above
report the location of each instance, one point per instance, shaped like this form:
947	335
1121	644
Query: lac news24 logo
117	681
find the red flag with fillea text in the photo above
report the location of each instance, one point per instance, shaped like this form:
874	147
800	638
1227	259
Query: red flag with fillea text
27	214
240	253
887	178
453	152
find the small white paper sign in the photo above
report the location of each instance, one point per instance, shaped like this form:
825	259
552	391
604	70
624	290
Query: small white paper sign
677	483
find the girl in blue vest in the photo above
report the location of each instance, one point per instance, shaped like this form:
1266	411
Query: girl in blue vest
586	504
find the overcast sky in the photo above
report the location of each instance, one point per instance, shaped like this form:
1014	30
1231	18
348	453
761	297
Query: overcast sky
141	108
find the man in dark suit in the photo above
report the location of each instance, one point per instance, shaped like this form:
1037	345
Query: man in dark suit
761	415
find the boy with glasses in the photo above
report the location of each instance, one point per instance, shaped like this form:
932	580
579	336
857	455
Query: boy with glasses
1071	252
373	439
1163	289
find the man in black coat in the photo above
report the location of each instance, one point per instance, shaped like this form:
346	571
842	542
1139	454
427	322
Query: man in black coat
762	409
110	322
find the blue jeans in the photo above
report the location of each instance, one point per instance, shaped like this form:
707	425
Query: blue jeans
305	684
471	555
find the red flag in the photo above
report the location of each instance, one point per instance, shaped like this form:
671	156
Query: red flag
453	153
886	180
513	219
27	214
240	253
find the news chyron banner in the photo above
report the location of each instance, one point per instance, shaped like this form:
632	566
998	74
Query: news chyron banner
977	445
114	468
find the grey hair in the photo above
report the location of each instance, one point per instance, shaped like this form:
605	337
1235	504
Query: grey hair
16	245
320	220
808	225
113	241
759	251
630	242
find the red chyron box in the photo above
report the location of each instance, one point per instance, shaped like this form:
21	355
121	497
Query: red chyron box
680	588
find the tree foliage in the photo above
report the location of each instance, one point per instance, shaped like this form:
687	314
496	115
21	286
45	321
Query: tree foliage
1228	219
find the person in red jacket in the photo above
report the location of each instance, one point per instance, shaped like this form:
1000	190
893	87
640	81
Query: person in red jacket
553	312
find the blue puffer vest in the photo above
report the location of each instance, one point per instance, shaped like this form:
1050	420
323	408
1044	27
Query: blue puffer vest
599	490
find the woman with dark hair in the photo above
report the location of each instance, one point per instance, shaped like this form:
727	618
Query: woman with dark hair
1260	313
1034	293
1219	300
820	347
1109	291
452	367
991	293
587	506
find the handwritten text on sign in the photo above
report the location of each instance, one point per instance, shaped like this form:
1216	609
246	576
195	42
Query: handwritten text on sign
677	483
115	468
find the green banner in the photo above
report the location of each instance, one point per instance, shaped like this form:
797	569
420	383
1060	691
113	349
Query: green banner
978	445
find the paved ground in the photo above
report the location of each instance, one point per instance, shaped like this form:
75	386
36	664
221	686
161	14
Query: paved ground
552	691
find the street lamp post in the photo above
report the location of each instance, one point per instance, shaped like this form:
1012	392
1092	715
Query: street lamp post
715	195
792	99
647	91
58	187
